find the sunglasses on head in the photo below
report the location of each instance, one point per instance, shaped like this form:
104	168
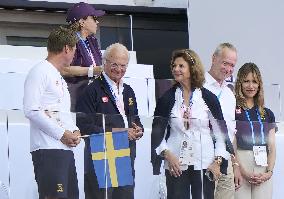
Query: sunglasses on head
95	18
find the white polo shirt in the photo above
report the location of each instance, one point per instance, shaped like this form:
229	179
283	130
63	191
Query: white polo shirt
47	106
227	101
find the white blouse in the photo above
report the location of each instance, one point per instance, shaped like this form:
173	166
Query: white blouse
198	132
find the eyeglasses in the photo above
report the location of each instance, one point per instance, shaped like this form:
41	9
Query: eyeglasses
115	65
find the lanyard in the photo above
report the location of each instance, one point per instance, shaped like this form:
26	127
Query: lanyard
112	92
190	101
187	111
219	95
252	128
116	99
87	48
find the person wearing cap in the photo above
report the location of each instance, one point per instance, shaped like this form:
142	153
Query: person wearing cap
83	19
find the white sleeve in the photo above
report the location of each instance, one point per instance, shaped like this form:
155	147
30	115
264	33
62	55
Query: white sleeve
220	145
163	146
229	114
69	122
34	88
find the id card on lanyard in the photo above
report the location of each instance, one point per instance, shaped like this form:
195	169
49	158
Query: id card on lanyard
186	151
259	152
186	146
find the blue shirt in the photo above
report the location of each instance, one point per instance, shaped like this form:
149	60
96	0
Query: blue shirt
244	131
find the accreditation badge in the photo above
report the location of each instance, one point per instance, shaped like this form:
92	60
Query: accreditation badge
260	155
186	152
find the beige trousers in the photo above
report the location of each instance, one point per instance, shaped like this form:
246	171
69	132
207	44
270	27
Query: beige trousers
248	191
225	186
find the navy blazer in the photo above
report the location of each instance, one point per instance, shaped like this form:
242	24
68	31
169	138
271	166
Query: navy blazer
162	116
96	103
97	100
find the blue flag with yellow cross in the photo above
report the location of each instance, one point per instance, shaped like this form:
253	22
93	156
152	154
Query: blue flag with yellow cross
111	159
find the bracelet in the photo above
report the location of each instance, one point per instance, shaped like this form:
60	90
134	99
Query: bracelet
91	71
233	156
235	164
163	153
218	160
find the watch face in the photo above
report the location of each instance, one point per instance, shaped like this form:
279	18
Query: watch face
218	159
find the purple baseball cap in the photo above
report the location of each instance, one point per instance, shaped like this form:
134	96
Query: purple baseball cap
81	10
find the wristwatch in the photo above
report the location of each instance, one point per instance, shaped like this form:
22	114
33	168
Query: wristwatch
163	153
218	160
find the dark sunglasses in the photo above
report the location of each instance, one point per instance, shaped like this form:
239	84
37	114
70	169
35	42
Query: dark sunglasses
95	18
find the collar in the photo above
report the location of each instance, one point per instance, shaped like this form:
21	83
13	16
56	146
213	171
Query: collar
112	83
53	68
211	81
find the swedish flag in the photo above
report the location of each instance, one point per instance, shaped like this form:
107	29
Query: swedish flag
111	159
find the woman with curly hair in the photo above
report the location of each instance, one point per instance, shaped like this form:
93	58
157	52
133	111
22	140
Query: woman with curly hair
181	132
255	137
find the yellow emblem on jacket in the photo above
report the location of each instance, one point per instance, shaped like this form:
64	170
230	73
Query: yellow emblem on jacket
130	101
59	188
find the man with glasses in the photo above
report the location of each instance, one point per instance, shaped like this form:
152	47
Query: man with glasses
109	103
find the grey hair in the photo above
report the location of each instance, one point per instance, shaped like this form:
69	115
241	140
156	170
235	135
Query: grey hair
221	46
115	46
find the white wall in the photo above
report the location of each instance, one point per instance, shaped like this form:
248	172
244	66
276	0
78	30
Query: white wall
255	27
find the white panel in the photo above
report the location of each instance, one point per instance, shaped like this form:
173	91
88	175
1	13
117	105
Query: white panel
21	58
22	182
12	87
144	179
23	52
79	162
139	71
4	171
278	191
144	89
16	65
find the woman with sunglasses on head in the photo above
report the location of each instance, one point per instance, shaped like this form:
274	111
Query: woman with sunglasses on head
181	133
255	137
83	19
